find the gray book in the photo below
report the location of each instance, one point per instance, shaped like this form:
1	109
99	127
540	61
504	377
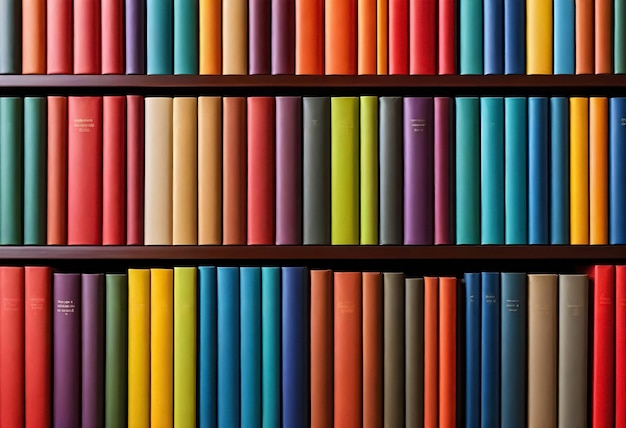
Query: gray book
393	372
391	171
414	348
316	170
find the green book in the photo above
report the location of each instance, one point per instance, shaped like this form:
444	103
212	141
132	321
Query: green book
116	351
344	170
35	192
185	346
369	170
11	154
186	36
619	34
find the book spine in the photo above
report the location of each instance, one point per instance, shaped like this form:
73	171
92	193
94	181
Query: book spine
447	36
564	37
620	345
340	37
431	351
10	37
33	36
579	171
598	171
161	345
11	171
447	351
283	37
112	15
288	170
443	170
56	182
538	152
473	318
494	36
399	36
619	36
210	37
414	348
394	371
514	36
134	169
235	37
584	36
35	171
322	348
373	370
93	349
135	40
490	350
186	37
159	36
87	34
270	346
260	36
207	346
515	170
418	171
210	170
423	37
617	174
368	170
366	42
309	38
492	170
59	37
250	324
116	351
559	171
382	37
539	37
113	171
471	36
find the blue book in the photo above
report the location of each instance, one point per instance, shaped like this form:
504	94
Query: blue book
514	37
250	336
617	171
471	36
160	36
492	170
228	347
538	152
270	334
207	347
493	36
559	171
186	36
295	373
467	171
564	36
515	171
514	313
472	349
490	350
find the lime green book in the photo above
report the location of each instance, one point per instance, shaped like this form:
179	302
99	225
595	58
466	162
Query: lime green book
344	170
184	346
369	170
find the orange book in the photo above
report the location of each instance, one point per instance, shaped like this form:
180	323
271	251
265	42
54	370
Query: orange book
321	348
210	38
348	350
367	37
604	36
309	37
447	352
598	171
33	36
340	30
431	351
372	350
57	171
382	35
584	37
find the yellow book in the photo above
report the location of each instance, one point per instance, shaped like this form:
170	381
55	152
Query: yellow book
598	171
161	347
538	37
210	170
184	347
579	171
185	172
235	37
138	348
210	37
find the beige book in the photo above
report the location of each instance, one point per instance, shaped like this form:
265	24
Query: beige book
394	354
235	37
158	171
209	170
414	348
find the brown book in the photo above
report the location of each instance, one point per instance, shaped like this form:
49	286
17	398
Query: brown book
414	346
210	170
372	350
394	375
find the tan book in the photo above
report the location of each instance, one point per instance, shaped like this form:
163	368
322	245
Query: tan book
394	349
234	37
542	350
414	348
209	170
158	171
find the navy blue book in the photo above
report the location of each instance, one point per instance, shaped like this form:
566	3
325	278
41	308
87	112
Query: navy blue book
493	36
490	350
207	347
472	347
538	151
295	351
514	310
514	37
559	171
228	347
617	171
250	339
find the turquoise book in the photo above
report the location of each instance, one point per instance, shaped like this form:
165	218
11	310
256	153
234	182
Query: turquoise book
471	36
538	152
564	36
250	316
559	171
35	166
270	346
160	36
186	37
207	346
492	170
619	36
228	350
11	167
468	171
515	171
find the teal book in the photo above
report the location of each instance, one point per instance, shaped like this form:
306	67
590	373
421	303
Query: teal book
207	346
11	167
270	348
619	34
471	36
515	171
492	170
186	37
35	166
116	351
250	318
467	171
10	37
228	364
160	36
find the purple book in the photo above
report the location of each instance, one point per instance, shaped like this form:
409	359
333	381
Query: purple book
283	36
259	15
66	354
418	171
443	232
93	350
288	171
135	15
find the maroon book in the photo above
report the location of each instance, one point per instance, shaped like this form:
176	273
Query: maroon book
284	36
134	169
443	169
259	30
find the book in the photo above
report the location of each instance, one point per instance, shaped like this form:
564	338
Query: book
186	45
444	170
447	352
113	170
158	174
538	164
473	317
395	348
207	346
559	171
579	171
467	171
135	36
56	183
340	36
617	175
59	59
11	171
33	37
620	345
283	36
261	170
322	348
470	37
619	36
210	37
603	34
373	382
250	337
423	37
598	171
84	174
270	346
87	31
235	37
515	171
35	171
210	153
344	175
431	351
366	43
382	37
391	170
309	38
93	349
10	37
514	37
316	170
161	345
539	37
228	387
490	349
399	36
159	36
260	37
112	48
414	351
494	35
134	169
368	170
447	36
564	37
584	36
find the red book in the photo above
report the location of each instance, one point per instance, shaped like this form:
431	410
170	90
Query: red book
423	36
134	169
398	36
38	316
57	171
431	351
447	352
114	170
603	359
261	171
59	36
620	347
372	350
12	347
84	174
447	37
234	171
348	350
113	37
87	56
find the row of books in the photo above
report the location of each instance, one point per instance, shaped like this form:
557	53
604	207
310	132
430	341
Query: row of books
312	37
245	346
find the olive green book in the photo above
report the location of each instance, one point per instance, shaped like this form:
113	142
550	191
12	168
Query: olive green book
369	170
116	351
